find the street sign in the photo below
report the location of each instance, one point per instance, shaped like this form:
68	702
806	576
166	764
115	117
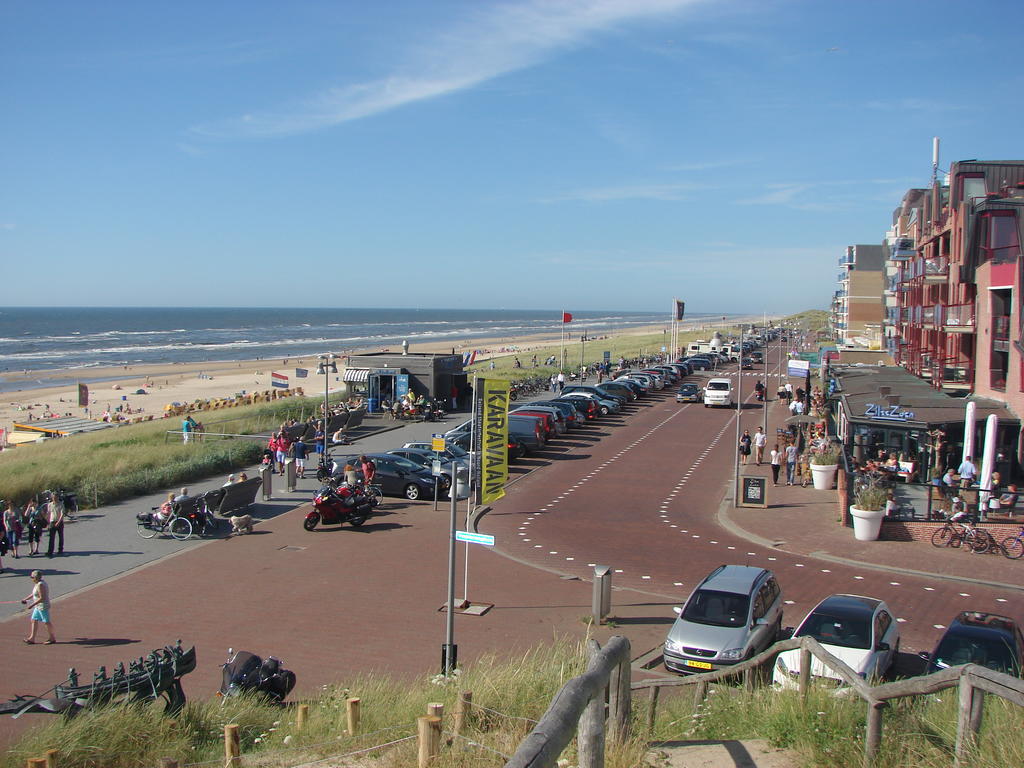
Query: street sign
437	443
474	538
435	467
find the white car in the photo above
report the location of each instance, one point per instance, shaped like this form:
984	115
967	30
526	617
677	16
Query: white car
860	631
718	392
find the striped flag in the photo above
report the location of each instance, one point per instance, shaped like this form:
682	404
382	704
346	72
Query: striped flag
301	373
469	358
279	380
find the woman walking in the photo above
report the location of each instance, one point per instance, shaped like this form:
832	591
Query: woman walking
776	461
39	603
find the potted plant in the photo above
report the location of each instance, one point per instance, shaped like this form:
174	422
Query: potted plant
868	509
824	463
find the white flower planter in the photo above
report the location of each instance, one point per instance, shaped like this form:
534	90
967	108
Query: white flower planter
824	476
866	523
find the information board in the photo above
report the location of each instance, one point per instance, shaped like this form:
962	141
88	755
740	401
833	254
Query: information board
753	491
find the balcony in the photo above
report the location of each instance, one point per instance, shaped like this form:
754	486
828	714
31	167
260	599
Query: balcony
847	259
958	318
902	249
936	269
928	315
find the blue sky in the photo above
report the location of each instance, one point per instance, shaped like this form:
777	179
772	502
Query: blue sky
600	154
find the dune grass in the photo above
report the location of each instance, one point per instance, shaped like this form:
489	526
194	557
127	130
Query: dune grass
137	459
509	695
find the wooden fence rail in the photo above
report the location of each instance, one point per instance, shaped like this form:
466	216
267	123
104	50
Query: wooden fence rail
583	696
972	680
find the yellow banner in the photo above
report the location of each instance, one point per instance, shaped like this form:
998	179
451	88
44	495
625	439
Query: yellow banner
493	403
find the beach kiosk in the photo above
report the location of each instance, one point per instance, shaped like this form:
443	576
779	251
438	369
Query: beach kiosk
381	376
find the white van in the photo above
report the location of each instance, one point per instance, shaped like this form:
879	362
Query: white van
718	392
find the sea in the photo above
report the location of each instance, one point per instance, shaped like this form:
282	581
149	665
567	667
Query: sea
66	342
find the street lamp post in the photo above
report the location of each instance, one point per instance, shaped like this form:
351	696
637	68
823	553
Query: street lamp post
326	365
739	411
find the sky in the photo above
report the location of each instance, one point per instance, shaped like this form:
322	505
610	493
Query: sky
532	154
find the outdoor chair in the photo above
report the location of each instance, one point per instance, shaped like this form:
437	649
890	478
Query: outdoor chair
238	496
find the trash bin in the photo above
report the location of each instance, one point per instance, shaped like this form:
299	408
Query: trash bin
371	404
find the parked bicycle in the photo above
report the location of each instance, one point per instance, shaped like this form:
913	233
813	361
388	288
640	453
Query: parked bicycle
954	534
1013	546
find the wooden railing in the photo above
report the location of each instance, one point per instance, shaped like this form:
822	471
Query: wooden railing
579	707
580	704
972	680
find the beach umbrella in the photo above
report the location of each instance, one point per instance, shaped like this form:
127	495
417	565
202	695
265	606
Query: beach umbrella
969	417
989	458
802	418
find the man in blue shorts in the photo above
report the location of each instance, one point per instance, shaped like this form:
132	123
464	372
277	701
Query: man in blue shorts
39	602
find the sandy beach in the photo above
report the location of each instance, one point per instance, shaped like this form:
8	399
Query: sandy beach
186	382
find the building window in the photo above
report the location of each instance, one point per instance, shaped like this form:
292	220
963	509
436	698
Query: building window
971	186
999	237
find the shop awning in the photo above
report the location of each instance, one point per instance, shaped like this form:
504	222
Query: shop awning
356	374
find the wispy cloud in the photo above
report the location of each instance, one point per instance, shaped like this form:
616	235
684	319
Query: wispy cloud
829	195
7	226
494	41
669	192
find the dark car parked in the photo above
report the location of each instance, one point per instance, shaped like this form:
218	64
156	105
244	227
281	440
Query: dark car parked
397	476
979	638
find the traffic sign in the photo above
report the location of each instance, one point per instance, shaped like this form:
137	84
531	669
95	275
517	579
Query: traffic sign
474	538
437	443
435	467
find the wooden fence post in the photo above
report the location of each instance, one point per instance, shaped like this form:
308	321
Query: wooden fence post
51	758
168	762
232	747
352	715
968	719
873	737
590	734
437	710
620	701
804	682
428	729
301	714
37	762
462	711
652	708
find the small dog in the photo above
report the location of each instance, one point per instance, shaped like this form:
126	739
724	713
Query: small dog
241	524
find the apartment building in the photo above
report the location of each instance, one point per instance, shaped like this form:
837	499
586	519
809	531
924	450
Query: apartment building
959	319
857	309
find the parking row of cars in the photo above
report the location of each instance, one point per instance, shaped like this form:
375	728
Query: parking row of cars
736	613
407	471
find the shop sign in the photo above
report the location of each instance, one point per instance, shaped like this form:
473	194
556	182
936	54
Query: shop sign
888	413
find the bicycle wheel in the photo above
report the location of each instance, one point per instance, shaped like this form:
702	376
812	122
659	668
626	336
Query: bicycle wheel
1013	547
980	542
942	537
375	495
180	528
146	530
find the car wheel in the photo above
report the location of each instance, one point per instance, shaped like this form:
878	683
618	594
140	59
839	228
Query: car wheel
412	492
604	410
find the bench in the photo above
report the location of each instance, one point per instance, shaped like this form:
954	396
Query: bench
233	499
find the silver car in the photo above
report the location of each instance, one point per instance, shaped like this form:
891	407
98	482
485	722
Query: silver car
735	613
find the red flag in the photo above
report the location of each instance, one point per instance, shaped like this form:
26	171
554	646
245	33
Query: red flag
566	317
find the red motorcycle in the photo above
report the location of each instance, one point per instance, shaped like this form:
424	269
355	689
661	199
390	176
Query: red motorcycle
336	505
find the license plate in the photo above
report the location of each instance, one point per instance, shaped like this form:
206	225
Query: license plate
698	664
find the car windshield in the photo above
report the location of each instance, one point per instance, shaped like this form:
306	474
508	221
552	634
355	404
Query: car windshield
688	388
847	631
720	609
992	652
718	385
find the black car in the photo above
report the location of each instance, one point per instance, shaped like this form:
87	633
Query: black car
699	363
397	476
980	638
620	399
424	457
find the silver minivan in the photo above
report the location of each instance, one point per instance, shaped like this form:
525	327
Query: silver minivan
735	613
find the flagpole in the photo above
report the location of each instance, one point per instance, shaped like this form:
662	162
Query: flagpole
561	349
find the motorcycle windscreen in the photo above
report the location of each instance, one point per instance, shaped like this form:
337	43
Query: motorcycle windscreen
241	672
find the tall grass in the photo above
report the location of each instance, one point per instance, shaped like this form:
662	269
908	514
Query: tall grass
137	459
509	696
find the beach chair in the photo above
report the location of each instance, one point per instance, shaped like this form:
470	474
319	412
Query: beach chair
236	497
